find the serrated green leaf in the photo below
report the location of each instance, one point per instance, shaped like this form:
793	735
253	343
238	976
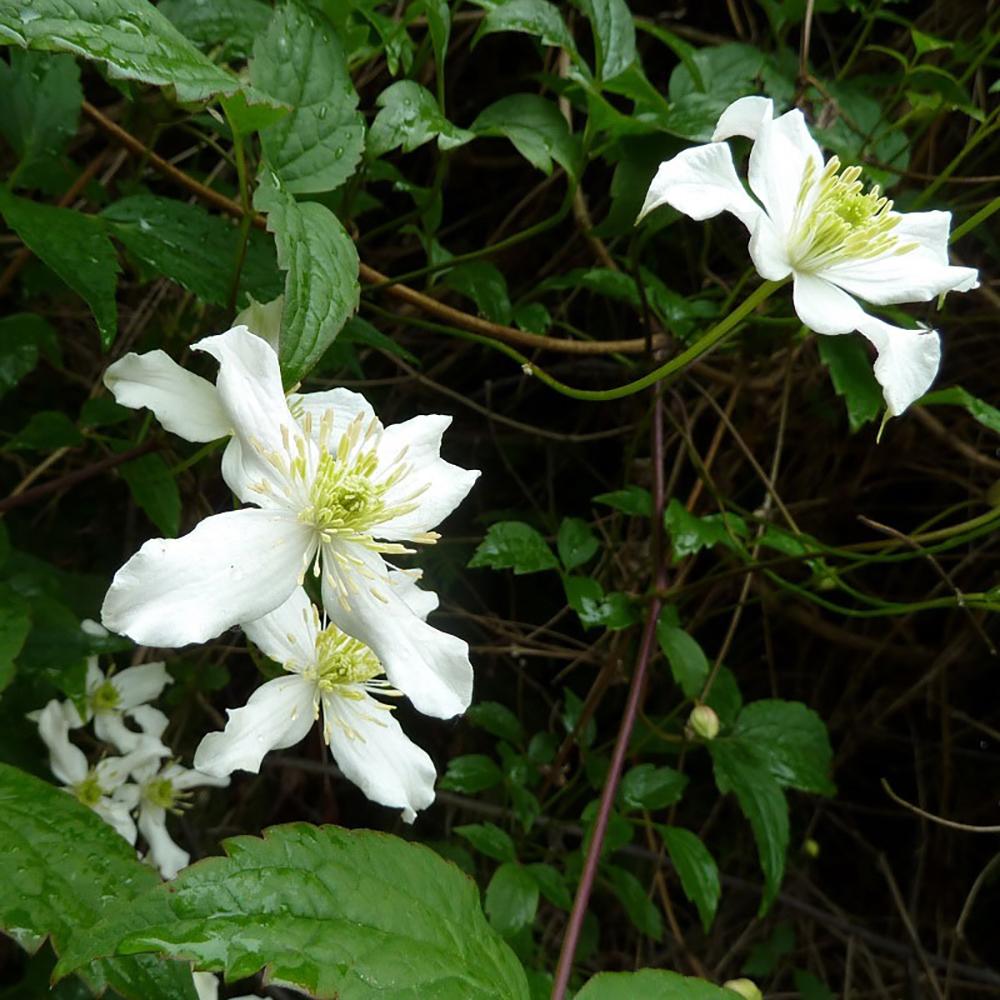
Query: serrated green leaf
744	769
724	698
321	287
697	870
248	111
533	17
351	914
62	868
41	98
485	284
131	37
632	500
511	898
409	117
489	839
232	24
586	597
514	545
301	62
471	773
852	377
551	884
988	416
73	245
614	35
24	338
633	896
689	534
154	489
794	740
576	542
194	248
46	430
496	719
535	127
646	786
650	984
687	660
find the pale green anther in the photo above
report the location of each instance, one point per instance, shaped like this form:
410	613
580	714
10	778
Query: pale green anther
343	661
836	220
344	500
89	791
105	698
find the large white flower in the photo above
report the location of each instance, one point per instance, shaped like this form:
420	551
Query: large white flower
335	491
328	671
814	221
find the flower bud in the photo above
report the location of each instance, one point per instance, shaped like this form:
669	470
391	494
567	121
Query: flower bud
746	988
810	848
704	722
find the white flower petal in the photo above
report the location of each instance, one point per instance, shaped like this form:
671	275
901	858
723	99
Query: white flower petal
184	778
373	751
112	772
701	182
165	854
907	361
431	667
278	715
232	567
110	727
150	720
767	250
777	165
184	403
404	583
117	815
744	117
824	307
439	485
68	762
288	634
141	684
206	986
342	405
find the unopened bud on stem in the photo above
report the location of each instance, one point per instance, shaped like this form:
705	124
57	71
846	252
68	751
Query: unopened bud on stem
704	722
746	988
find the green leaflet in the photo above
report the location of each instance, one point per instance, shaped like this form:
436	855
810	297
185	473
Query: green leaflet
154	489
316	147
697	870
614	35
355	915
852	378
73	245
511	898
576	542
533	17
321	286
62	867
409	117
131	37
233	24
987	415
514	545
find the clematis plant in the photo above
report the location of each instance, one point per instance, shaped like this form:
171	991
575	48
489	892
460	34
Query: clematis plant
814	222
328	671
335	492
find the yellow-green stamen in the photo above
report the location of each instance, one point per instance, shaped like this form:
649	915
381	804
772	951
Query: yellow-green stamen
89	791
105	697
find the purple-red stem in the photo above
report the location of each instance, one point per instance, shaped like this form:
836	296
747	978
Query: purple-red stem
635	692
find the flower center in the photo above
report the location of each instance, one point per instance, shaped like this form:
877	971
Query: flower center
837	220
343	663
89	791
105	698
343	499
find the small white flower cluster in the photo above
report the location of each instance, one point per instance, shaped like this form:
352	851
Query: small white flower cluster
335	495
135	787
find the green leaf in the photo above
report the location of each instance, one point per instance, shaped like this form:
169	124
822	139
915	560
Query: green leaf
154	489
24	338
852	377
724	698
988	416
62	868
439	25
633	897
688	662
533	17
409	117
551	884
646	786
744	769
587	598
496	719
650	984
485	284
511	898
536	128
41	97
46	430
233	24
347	913
614	35
632	500
197	250
766	955
794	740
697	870
321	287
15	623
249	110
301	62
131	37
924	43
514	545
73	245
811	988
689	534
576	542
489	839
472	773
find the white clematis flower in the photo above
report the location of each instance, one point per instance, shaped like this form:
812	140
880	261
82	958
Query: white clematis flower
206	985
328	671
335	491
104	787
163	790
813	221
